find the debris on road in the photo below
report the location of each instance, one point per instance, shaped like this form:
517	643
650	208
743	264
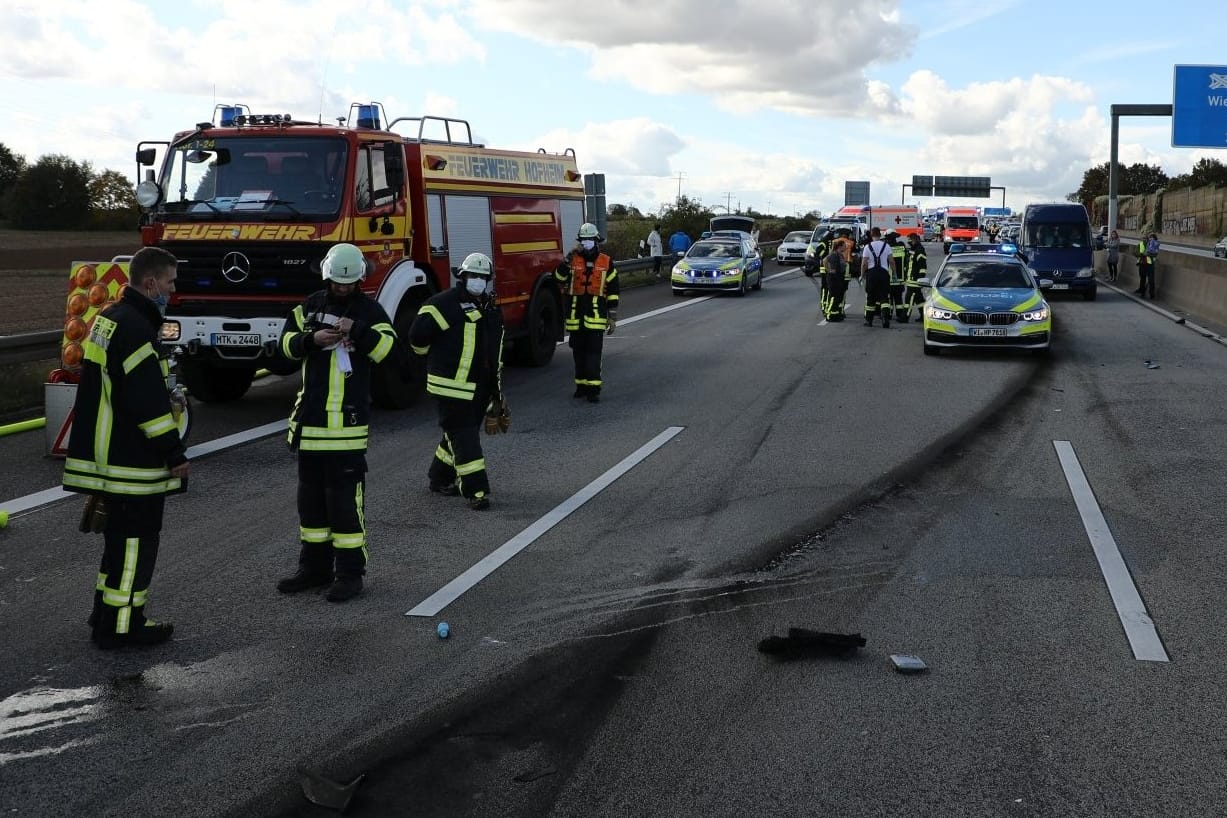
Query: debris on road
1152	364
908	664
326	792
443	630
801	643
528	776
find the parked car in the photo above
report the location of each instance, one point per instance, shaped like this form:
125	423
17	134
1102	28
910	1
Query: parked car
792	249
728	264
985	298
1220	249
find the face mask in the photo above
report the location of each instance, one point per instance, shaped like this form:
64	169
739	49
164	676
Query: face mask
160	300
475	286
587	244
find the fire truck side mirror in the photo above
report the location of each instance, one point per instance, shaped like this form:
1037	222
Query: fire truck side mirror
145	156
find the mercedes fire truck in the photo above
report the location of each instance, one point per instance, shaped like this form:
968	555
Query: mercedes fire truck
250	203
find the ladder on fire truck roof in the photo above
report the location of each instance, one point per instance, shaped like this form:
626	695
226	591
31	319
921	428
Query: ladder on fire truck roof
447	130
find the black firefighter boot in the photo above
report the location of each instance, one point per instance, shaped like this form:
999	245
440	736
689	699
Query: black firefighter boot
314	569
351	565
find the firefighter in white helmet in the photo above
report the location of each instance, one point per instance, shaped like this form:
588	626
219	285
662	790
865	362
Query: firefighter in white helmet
460	332
338	334
590	282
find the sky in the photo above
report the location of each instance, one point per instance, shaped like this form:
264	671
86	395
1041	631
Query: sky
763	104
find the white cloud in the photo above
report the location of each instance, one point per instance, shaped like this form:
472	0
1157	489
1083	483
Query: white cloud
746	54
630	147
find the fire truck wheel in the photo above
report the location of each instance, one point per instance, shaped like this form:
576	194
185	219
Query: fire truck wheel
544	329
216	384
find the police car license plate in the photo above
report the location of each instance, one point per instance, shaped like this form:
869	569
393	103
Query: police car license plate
1060	286
236	339
994	332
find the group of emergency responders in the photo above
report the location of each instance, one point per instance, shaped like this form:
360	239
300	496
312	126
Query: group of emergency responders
891	281
126	454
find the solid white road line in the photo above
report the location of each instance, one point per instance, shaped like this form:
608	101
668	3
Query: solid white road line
1139	627
450	592
46	496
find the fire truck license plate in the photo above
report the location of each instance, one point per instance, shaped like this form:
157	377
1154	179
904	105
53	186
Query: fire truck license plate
996	332
235	339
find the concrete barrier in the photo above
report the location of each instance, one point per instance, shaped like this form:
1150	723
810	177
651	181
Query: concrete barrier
1196	285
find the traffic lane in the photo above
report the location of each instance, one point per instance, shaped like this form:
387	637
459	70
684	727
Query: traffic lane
670	529
246	662
983	568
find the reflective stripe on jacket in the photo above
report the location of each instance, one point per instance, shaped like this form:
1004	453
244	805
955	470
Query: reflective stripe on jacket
124	439
592	291
332	410
463	345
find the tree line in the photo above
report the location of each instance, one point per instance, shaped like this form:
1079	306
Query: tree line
1138	179
59	193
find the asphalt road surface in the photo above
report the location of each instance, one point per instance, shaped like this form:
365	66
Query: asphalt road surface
749	469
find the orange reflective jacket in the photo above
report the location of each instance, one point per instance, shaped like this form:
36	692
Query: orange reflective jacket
589	282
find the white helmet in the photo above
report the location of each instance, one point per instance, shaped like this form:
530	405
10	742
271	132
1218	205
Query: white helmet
478	264
588	230
343	264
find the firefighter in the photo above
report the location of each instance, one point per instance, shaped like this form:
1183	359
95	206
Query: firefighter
875	269
590	281
813	262
845	245
461	333
124	449
834	269
916	265
338	333
898	260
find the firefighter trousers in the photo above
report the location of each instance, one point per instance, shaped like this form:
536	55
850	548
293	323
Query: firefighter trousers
877	295
129	553
586	345
897	296
458	457
835	289
331	511
913	299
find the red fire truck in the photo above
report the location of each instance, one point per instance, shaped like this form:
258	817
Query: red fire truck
250	203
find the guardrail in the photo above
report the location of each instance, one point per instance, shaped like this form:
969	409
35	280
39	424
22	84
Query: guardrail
30	346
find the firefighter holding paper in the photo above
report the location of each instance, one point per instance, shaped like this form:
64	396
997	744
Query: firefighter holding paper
338	334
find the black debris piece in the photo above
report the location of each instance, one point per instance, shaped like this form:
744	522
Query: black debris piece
803	643
326	792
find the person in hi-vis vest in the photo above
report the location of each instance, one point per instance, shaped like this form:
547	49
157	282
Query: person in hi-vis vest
590	282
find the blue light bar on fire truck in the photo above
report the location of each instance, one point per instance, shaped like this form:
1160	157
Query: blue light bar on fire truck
224	115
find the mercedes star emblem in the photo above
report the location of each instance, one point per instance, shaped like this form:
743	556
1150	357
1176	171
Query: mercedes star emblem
235	267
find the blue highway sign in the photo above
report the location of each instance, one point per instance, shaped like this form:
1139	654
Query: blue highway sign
1199	106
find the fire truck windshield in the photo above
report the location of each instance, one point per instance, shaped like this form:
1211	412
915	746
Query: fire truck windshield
255	178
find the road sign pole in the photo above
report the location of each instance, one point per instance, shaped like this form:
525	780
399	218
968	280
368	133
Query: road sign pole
1117	111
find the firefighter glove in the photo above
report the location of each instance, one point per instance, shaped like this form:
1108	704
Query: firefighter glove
612	323
498	417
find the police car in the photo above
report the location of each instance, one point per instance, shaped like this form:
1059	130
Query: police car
984	295
720	263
